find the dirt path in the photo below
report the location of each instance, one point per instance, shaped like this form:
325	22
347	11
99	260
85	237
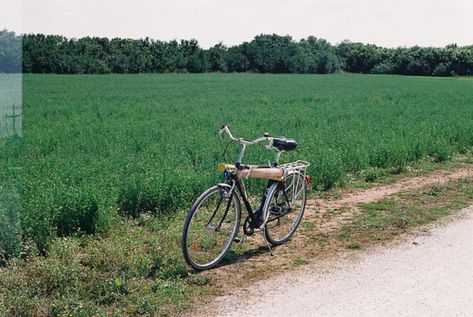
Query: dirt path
324	216
347	204
427	275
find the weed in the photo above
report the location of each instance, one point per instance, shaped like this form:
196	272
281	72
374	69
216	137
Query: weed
354	246
300	261
435	190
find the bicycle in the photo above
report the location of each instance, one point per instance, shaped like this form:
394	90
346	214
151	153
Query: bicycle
214	219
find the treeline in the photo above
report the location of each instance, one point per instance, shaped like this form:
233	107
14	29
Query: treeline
264	54
451	60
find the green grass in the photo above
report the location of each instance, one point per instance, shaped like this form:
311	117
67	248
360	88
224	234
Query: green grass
98	149
95	145
136	269
300	261
354	246
386	218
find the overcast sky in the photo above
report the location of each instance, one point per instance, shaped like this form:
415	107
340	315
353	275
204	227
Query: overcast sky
388	23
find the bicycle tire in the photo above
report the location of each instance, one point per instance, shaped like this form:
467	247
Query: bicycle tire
270	229
187	240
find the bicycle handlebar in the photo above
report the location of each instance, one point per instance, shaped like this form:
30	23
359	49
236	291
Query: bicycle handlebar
226	129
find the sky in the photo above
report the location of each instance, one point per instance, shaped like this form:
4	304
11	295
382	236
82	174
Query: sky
389	23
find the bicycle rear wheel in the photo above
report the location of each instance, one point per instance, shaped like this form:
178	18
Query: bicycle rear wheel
210	227
285	207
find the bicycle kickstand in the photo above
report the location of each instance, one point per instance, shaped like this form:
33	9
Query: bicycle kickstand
268	244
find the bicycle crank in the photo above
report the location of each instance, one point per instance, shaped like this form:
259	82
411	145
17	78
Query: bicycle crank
247	227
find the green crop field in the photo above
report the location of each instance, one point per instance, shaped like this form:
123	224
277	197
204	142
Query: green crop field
99	151
97	146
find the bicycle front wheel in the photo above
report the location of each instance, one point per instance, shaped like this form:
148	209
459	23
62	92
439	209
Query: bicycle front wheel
285	207
211	227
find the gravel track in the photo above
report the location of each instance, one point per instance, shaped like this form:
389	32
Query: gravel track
427	275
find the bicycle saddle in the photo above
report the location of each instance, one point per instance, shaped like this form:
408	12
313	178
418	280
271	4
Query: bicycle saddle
284	144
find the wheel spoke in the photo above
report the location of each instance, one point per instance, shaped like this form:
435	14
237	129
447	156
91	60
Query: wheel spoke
216	209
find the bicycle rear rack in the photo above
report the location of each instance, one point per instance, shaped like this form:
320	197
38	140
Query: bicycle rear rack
300	166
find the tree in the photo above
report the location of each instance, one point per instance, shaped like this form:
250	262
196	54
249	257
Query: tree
359	57
217	58
271	53
237	58
326	60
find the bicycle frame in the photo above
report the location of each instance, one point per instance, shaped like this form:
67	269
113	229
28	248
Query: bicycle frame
237	184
